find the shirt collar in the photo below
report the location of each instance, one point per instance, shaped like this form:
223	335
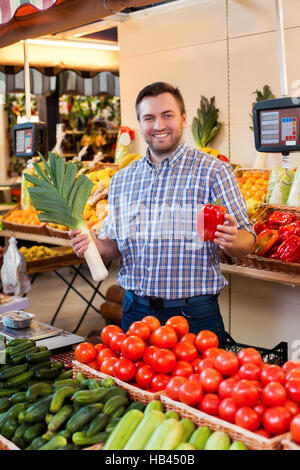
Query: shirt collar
173	158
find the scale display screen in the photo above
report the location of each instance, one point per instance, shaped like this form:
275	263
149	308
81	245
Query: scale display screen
277	125
29	138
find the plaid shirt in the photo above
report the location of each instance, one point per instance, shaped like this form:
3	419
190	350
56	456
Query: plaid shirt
153	214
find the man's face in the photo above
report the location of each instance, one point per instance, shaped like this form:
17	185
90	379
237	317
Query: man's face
161	123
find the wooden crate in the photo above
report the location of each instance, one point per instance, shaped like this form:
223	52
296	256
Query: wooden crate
289	444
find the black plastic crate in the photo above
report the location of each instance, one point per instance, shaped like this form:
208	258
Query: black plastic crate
277	355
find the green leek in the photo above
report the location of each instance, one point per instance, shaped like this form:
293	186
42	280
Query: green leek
61	198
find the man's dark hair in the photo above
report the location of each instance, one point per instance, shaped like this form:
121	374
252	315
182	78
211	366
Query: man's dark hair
157	88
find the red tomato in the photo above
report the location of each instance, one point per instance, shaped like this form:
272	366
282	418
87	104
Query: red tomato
209	404
180	325
117	341
151	321
190	393
295	429
204	364
211	353
227	409
144	376
210	380
85	352
182	368
292	407
108	331
100	346
293	374
173	386
163	361
289	365
107	365
194	378
293	389
164	337
250	371
93	365
247	418
185	351
226	363
260	408
124	369
196	364
104	354
273	394
141	329
276	419
245	393
147	357
139	364
264	433
250	355
159	382
206	339
189	338
226	387
273	373
133	347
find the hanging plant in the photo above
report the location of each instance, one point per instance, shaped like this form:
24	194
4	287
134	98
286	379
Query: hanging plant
265	94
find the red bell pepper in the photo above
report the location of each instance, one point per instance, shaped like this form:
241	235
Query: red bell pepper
289	250
210	216
278	218
258	227
264	241
285	231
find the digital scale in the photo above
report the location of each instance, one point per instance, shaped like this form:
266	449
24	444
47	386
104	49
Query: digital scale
276	125
29	138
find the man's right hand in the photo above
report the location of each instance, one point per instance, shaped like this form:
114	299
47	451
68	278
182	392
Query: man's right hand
79	242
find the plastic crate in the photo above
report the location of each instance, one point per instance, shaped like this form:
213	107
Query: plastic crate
277	355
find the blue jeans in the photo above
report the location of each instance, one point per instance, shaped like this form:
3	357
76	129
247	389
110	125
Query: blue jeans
201	315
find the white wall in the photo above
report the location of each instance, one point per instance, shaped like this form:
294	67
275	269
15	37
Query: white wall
188	47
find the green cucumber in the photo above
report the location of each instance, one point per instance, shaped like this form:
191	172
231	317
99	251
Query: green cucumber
85	397
145	429
19	442
81	439
37	443
65	374
13	371
17	349
18	397
80	377
9	428
154	405
8	392
19	432
59	397
21	379
113	403
15	341
98	423
37	390
167	436
21	357
33	431
55	443
188	428
61	383
37	357
41	365
199	437
60	417
112	424
136	405
107	382
38	410
13	413
218	440
5	404
46	374
172	414
124	430
82	417
237	445
113	391
118	413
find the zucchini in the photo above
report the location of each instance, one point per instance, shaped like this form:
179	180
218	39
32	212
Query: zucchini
15	341
37	443
5	404
185	446
59	365
37	357
112	424
17	349
19	442
13	371
172	414
61	383
188	427
70	446
81	439
8	392
9	427
113	403
40	365
55	443
218	440
237	445
145	429
20	358
13	413
85	397
59	396
199	437
98	423
46	374
65	374
154	405
19	432
33	431
38	410
136	405
60	417
118	413
82	417
18	397
37	390
124	430
113	391
21	379
166	437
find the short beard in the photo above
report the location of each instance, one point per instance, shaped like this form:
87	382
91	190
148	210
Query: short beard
165	151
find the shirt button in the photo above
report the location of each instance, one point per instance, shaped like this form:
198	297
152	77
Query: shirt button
148	269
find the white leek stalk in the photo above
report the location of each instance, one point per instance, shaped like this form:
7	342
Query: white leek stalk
92	256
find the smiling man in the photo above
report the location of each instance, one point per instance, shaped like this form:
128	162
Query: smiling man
152	221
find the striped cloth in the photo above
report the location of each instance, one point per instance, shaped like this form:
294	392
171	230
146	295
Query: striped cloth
10	8
153	218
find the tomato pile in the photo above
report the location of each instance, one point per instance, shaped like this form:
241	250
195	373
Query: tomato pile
192	369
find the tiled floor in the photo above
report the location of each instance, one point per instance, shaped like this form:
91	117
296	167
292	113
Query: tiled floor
48	290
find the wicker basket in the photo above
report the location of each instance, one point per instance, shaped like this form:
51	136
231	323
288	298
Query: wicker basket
35	229
239	171
288	444
135	393
56	233
5	444
251	440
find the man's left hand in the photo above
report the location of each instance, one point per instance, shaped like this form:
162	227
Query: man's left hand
226	235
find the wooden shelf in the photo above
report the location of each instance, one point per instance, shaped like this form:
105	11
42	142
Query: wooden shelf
262	274
36	238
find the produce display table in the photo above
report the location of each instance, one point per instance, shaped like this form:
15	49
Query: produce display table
262	274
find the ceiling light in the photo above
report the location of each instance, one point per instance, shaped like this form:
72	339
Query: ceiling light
74	44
